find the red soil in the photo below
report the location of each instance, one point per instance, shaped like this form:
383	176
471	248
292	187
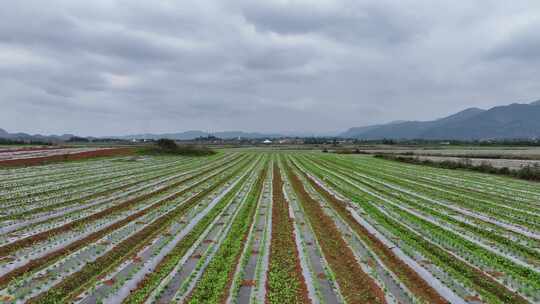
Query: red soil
248	283
355	285
65	157
409	277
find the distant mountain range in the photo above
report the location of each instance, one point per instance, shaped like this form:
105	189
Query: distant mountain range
195	134
514	121
503	122
35	137
187	135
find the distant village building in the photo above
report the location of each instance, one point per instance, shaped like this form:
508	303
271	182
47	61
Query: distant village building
267	141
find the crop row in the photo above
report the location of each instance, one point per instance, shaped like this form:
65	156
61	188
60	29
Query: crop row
266	227
439	245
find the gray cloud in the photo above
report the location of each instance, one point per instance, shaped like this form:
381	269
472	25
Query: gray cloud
348	21
114	67
524	45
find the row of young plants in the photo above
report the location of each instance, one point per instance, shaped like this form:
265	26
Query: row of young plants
489	288
320	279
249	282
89	252
136	205
513	191
507	191
58	219
423	289
513	231
30	194
58	204
355	284
26	174
75	192
405	277
105	171
73	285
18	181
159	281
128	275
482	206
80	243
520	207
45	221
118	210
25	154
105	199
91	198
13	177
396	244
93	250
486	234
193	269
526	274
476	177
48	220
517	221
505	198
285	282
219	274
314	228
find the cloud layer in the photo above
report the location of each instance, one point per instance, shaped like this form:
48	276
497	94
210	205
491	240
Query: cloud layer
116	67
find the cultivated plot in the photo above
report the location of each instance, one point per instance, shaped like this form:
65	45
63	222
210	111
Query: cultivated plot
265	227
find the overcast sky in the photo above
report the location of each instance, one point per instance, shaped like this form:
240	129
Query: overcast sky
105	67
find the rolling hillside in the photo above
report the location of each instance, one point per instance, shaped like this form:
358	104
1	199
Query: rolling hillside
502	122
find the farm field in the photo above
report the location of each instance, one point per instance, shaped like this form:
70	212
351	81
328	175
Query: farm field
40	152
513	164
6	148
509	152
41	155
265	227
